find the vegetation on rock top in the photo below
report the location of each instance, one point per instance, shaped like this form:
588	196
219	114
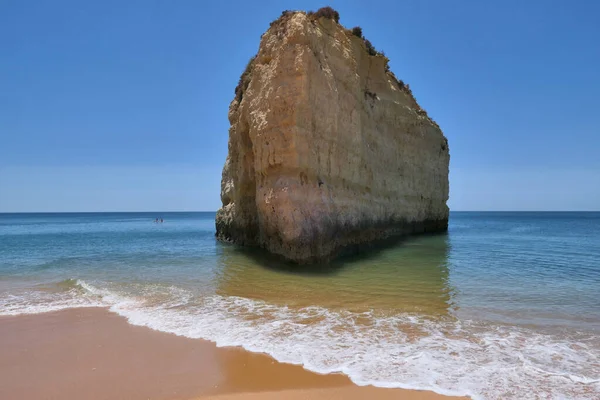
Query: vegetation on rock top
244	80
326	12
278	28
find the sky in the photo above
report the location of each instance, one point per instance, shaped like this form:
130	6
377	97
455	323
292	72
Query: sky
122	105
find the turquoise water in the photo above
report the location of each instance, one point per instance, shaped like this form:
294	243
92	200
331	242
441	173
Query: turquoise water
505	306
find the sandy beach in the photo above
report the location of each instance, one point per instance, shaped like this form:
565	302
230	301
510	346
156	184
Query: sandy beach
90	353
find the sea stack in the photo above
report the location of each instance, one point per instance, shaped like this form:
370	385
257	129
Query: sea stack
328	150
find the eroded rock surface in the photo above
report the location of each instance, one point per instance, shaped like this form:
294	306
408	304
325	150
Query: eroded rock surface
327	149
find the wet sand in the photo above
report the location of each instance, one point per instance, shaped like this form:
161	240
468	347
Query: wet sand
90	353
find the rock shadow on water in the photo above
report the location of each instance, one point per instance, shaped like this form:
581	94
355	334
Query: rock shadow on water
348	257
404	274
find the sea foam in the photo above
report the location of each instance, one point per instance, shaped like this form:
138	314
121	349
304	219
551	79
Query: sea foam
397	351
37	301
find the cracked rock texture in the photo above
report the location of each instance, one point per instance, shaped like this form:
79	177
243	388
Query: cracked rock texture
327	149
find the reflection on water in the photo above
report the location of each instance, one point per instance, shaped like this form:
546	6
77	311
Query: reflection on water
505	306
411	276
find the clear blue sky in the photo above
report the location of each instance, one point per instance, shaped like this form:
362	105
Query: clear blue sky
122	105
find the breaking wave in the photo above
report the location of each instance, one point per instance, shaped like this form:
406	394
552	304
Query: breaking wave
452	357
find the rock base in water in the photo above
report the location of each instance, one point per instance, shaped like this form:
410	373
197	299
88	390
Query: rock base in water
328	150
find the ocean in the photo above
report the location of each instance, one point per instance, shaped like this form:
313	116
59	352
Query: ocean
506	305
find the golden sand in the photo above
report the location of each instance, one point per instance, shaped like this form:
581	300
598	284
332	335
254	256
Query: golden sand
92	354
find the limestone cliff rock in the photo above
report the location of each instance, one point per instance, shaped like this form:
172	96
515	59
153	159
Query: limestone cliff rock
327	149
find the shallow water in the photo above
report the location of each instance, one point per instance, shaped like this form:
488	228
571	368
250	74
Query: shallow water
506	305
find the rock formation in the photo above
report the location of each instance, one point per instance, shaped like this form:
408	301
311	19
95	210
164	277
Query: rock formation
327	148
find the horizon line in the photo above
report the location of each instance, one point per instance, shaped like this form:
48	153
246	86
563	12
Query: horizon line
214	211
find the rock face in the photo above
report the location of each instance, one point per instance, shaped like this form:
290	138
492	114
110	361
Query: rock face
327	149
